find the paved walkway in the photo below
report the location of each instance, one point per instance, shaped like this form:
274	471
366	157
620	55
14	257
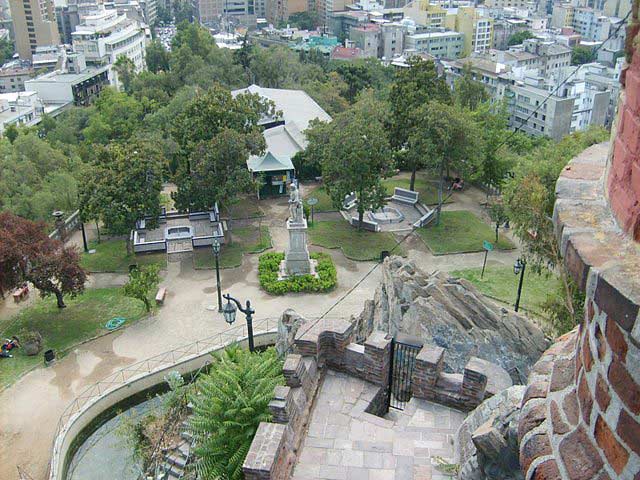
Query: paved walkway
345	443
30	409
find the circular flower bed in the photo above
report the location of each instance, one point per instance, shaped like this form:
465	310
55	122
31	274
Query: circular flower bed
269	265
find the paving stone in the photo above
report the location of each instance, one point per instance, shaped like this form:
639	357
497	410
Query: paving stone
334	457
330	472
382	475
352	458
354	473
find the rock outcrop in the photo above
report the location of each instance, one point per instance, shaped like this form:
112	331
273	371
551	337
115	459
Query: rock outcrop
451	313
487	441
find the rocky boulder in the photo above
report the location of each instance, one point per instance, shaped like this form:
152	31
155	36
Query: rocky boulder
450	313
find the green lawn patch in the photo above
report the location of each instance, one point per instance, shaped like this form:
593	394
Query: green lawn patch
111	256
244	208
269	266
427	188
355	244
245	240
460	232
499	282
61	329
324	200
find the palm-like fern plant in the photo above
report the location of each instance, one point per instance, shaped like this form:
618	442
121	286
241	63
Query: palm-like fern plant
229	403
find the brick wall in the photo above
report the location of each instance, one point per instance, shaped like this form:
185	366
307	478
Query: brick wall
624	177
580	416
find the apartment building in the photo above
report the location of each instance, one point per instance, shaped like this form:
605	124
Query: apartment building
246	12
426	14
553	55
20	108
562	15
392	41
445	44
14	74
104	35
368	39
477	30
280	10
34	25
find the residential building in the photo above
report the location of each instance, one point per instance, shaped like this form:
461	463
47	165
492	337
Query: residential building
345	53
392	41
504	28
617	8
104	36
283	135
477	30
342	22
245	12
20	108
426	14
14	74
613	47
553	55
34	25
444	44
325	8
47	59
76	87
506	3
493	75
517	58
367	38
591	24
279	10
562	15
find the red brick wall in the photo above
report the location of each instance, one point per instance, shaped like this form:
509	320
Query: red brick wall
624	174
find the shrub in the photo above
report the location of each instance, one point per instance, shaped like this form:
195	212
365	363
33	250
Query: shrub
269	266
229	402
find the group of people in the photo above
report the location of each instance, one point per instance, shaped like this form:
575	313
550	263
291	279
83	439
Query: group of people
8	345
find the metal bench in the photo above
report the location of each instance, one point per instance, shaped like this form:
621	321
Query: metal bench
349	201
425	219
366	224
162	292
403	195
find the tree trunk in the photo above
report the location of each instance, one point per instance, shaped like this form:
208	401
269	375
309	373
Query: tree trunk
412	184
98	231
440	188
128	243
360	217
497	225
59	298
147	305
229	220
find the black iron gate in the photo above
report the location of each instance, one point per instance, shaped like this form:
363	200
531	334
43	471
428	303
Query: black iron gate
403	358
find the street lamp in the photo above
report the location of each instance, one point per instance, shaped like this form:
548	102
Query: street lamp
229	312
519	268
216	253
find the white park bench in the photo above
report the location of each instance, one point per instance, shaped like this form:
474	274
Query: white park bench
366	224
162	292
403	195
349	201
425	219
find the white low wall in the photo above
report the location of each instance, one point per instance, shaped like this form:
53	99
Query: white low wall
136	384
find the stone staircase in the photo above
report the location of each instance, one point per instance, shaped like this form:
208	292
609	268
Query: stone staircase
177	459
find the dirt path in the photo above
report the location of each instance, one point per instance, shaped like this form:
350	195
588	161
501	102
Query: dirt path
30	409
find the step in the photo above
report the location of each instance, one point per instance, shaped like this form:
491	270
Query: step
176	472
175	459
184	449
186	436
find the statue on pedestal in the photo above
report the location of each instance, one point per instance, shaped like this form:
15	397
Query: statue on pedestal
295	205
296	260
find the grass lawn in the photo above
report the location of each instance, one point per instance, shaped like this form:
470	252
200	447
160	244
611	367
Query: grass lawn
61	329
425	185
460	232
324	201
356	245
245	207
245	240
500	282
111	256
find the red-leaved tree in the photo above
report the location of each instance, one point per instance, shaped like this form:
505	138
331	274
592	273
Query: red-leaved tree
27	254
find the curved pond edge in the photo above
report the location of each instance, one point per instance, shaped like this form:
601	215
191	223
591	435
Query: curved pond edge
85	414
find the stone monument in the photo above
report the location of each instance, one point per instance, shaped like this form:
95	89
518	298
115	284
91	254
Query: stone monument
296	259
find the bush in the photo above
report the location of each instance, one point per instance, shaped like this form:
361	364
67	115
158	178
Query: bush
269	266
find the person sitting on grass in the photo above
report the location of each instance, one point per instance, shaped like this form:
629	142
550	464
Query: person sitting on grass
9	345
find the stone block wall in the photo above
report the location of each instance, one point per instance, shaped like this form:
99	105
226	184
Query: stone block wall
580	415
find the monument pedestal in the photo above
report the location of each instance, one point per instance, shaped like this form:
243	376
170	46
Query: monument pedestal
296	258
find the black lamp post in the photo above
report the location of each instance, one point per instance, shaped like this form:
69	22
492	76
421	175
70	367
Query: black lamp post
84	237
229	312
519	268
216	253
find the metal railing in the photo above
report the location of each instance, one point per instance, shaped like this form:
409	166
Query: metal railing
156	363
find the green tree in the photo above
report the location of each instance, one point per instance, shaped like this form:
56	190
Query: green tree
469	93
142	281
449	139
354	154
116	117
229	403
530	198
303	20
157	57
413	88
11	132
126	70
122	185
6	50
519	37
580	55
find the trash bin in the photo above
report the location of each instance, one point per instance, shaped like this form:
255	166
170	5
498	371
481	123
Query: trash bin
49	356
383	254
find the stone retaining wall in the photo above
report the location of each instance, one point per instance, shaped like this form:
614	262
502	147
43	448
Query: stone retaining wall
328	344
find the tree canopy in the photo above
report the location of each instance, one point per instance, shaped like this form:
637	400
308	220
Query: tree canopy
519	37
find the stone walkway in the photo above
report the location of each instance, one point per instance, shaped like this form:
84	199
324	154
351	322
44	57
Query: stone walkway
345	443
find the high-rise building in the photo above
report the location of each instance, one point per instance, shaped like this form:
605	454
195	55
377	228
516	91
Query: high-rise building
34	25
477	30
243	11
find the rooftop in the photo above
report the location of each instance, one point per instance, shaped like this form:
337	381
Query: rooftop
345	53
436	34
69	78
